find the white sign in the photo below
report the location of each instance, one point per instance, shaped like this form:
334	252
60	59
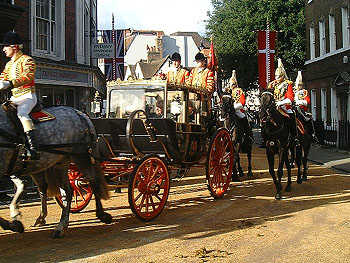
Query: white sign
102	50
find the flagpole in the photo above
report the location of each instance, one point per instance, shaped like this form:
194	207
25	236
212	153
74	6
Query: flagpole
114	47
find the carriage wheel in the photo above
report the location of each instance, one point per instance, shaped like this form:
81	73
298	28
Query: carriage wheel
219	163
149	188
82	191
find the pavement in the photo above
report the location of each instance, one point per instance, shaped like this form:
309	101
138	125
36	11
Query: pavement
330	157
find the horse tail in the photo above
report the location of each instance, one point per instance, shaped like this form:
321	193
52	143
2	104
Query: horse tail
101	185
54	178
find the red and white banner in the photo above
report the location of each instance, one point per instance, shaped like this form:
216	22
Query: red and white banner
266	56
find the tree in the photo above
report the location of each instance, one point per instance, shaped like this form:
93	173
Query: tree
233	25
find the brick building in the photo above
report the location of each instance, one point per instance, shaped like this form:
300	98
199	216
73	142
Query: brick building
58	34
327	74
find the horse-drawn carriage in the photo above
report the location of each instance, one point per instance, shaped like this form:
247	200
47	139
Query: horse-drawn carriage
154	128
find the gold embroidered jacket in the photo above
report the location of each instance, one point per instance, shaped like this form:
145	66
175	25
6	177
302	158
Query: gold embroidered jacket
20	70
178	77
202	79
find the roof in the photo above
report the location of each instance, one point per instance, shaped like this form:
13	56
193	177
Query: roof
197	38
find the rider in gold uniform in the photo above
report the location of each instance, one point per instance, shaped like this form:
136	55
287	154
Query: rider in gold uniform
178	75
19	75
201	77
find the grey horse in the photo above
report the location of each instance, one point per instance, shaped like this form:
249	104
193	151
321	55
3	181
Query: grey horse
68	138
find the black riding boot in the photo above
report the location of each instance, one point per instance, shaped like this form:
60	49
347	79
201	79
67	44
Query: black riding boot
293	129
33	145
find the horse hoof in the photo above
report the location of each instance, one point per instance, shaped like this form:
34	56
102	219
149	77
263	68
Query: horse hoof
235	179
241	173
299	181
57	234
288	188
17	226
278	196
304	177
250	174
105	218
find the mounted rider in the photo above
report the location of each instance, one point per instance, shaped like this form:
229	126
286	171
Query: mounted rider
284	96
201	77
178	75
238	98
19	75
302	102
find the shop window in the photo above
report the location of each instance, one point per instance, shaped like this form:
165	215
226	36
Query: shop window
59	97
46	96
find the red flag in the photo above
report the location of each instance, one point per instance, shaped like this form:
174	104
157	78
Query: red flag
266	56
213	62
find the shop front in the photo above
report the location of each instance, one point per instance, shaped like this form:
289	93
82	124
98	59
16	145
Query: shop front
67	85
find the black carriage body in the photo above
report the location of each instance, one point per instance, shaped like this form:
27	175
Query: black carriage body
179	115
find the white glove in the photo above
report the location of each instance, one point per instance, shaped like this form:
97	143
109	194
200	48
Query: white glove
4	84
301	102
237	106
283	102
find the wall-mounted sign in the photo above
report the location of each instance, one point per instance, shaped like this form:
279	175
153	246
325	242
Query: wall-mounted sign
104	50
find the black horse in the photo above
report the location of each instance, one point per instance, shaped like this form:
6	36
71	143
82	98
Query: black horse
242	139
276	134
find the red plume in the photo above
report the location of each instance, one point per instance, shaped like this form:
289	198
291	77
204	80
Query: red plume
213	62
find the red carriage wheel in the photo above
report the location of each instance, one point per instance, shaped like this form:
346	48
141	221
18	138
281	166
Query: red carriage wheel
82	191
149	188
219	163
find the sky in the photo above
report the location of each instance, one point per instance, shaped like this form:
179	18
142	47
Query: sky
167	15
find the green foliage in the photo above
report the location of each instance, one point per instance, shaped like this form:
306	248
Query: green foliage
233	25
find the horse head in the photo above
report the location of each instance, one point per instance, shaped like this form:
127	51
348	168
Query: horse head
267	104
226	104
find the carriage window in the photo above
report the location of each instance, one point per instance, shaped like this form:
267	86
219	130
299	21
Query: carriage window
124	101
176	106
194	108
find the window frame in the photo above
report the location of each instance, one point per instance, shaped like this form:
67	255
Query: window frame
332	34
312	42
322	37
55	43
345	26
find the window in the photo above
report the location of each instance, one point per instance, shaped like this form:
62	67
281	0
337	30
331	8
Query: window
45	25
313	104
48	28
312	42
345	26
332	34
322	32
324	104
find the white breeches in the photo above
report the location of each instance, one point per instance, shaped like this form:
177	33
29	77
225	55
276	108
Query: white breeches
240	114
25	104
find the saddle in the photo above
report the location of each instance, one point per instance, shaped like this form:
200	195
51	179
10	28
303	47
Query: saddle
37	115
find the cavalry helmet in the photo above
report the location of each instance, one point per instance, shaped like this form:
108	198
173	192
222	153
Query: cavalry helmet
280	69
11	38
233	79
299	81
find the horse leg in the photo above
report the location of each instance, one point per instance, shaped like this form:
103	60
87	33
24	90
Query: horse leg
240	170
292	156
39	179
281	155
98	185
271	161
299	154
249	156
289	183
235	176
19	185
306	148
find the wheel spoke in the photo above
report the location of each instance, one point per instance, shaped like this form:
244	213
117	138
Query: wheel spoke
138	197
151	199
78	190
